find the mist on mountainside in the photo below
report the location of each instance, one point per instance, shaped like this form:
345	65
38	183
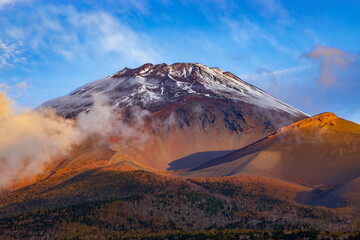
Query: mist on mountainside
31	139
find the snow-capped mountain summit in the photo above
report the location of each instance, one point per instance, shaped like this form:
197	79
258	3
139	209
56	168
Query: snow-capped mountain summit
190	109
156	86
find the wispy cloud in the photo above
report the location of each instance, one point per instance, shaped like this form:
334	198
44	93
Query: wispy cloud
245	31
15	90
8	2
139	5
22	85
332	60
263	73
75	36
10	53
106	34
273	9
328	86
18	86
286	84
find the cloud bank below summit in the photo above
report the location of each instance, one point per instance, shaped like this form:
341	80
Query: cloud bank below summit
29	140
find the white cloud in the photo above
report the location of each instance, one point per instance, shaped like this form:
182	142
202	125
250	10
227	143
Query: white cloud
15	90
74	35
273	8
139	5
107	34
267	73
5	2
10	53
29	140
245	31
17	86
3	87
22	85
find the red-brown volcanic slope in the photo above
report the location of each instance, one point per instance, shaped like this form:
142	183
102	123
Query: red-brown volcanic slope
319	152
315	160
197	125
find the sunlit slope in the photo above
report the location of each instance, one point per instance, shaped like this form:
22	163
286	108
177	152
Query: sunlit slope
113	182
178	131
319	151
318	156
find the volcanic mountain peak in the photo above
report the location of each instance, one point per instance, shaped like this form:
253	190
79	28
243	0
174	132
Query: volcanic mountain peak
321	151
194	73
186	72
156	86
322	120
327	121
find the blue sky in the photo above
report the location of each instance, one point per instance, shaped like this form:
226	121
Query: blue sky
304	52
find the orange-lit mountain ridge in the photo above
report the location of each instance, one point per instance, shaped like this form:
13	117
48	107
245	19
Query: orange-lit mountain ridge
319	152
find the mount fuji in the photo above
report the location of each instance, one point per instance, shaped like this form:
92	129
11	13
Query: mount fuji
186	147
194	113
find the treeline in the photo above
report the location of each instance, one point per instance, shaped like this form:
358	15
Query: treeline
141	204
174	214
